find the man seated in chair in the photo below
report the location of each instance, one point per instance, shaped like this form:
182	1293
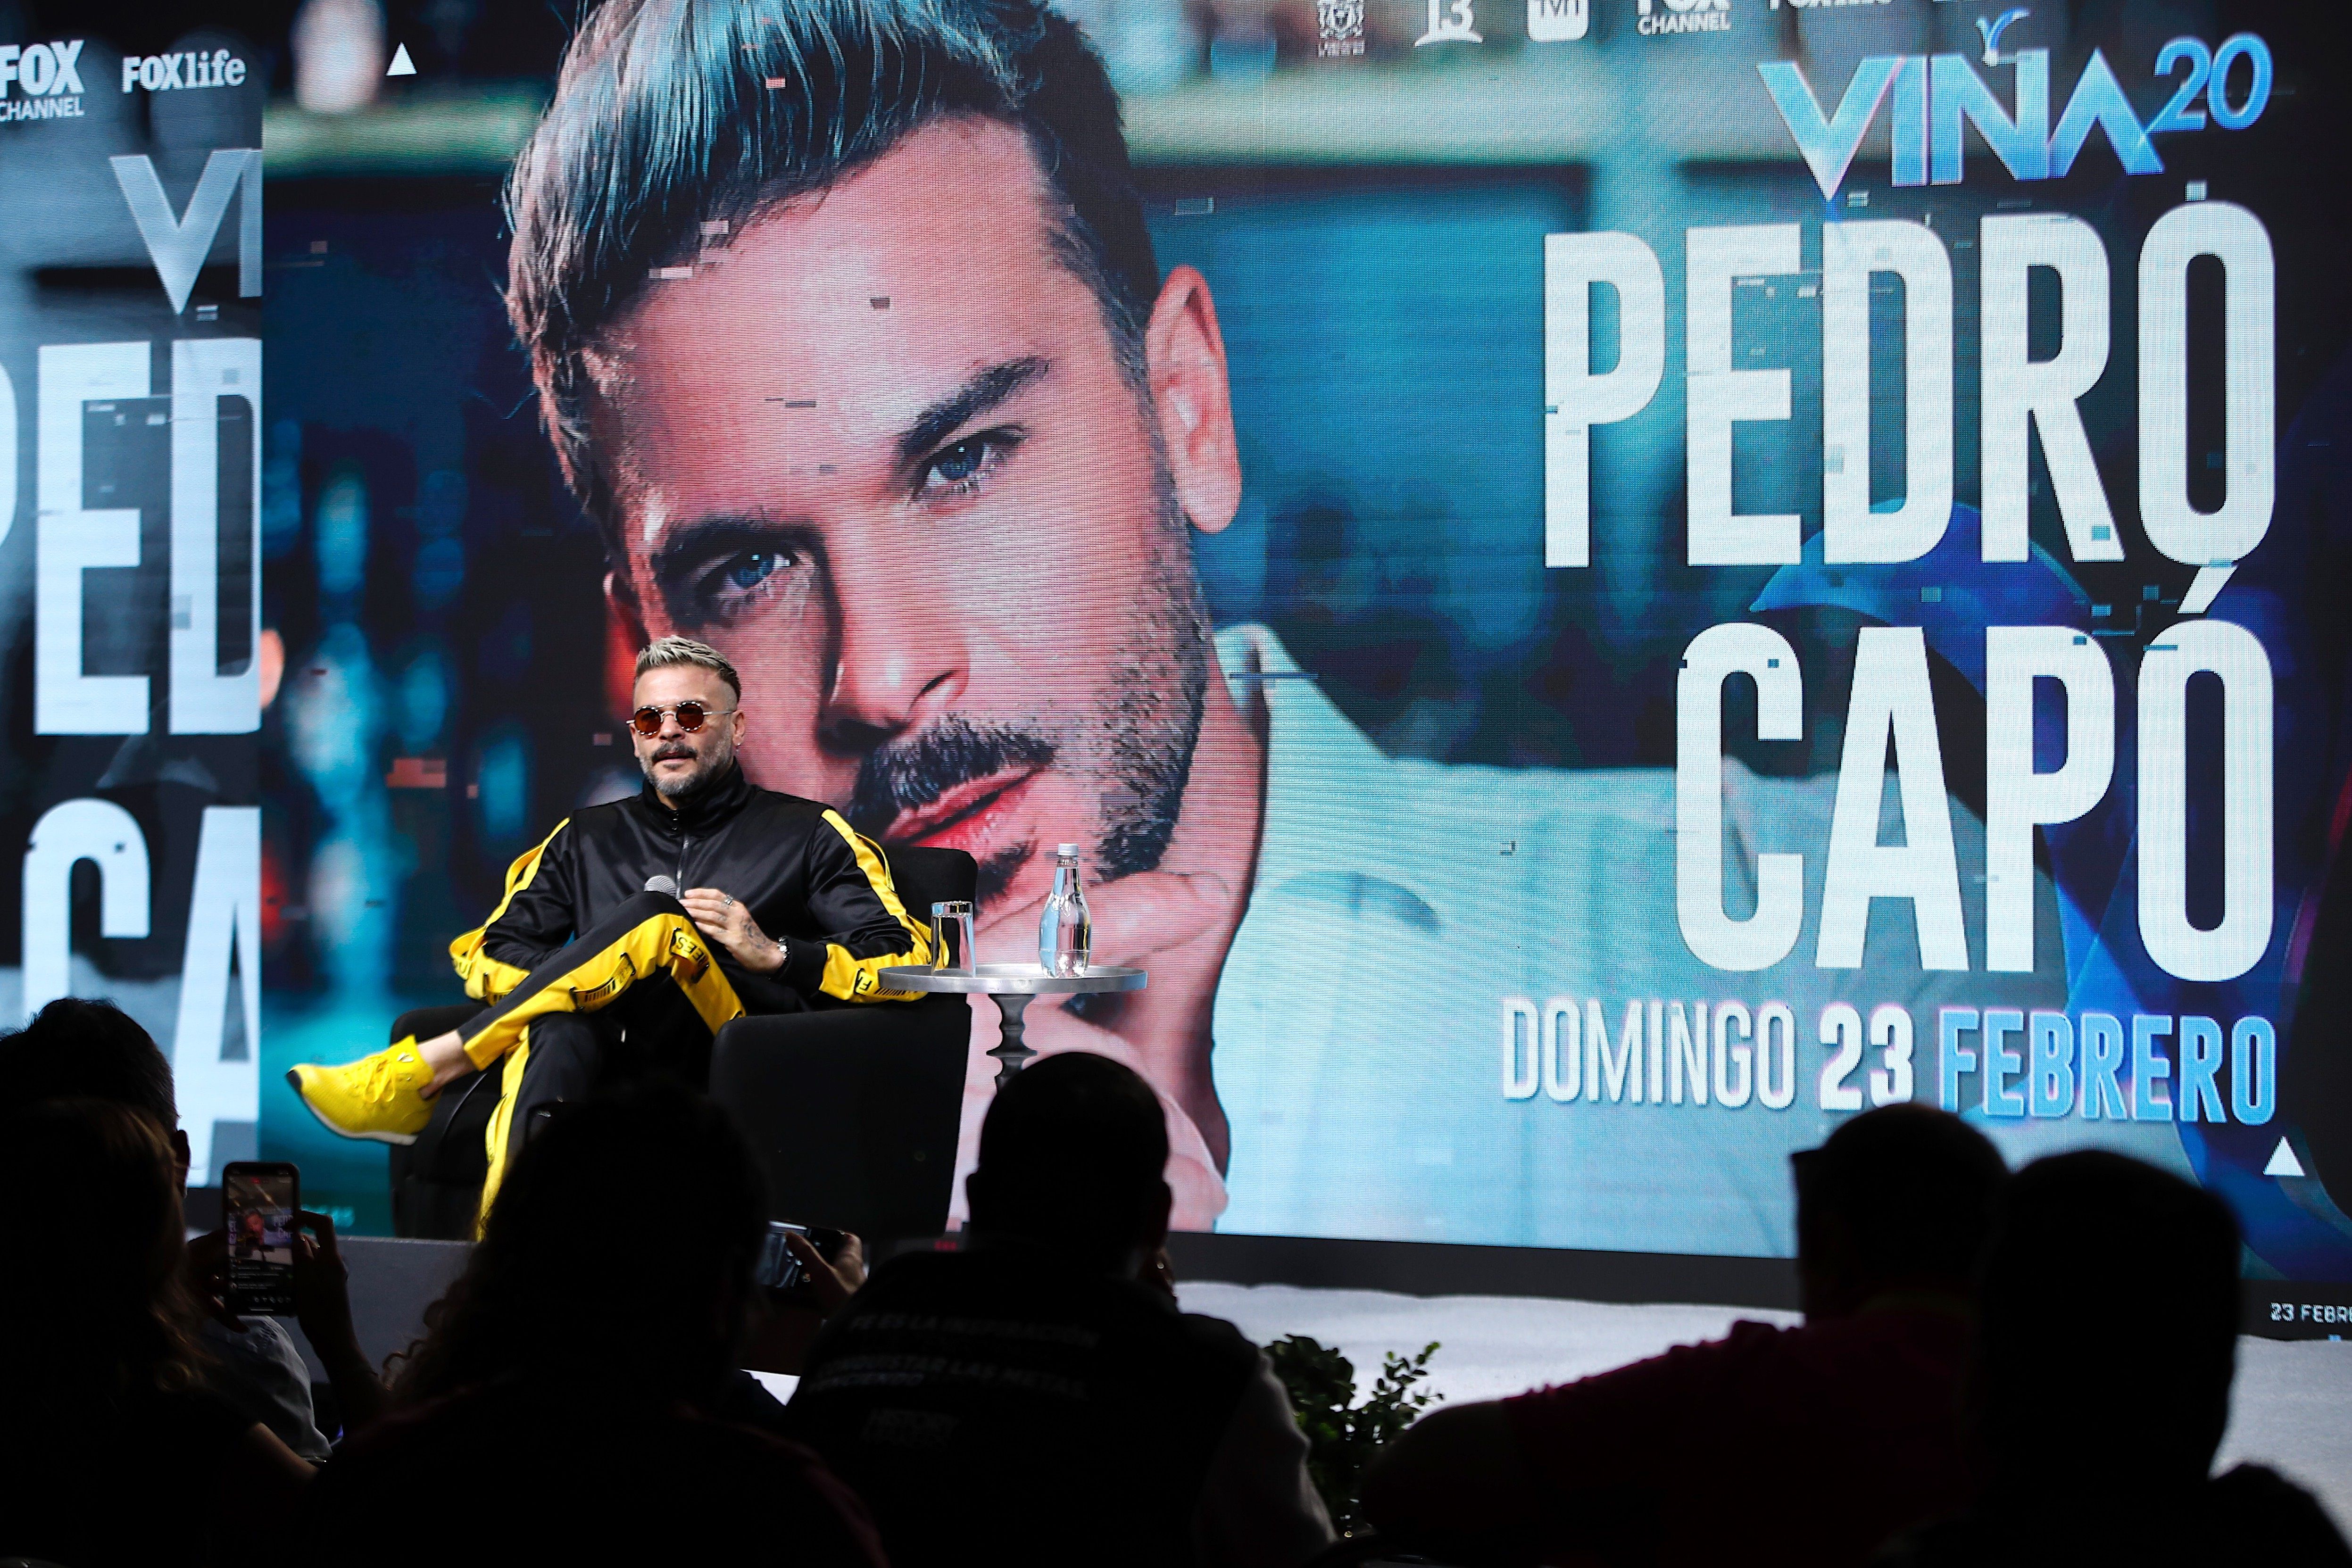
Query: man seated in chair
595	964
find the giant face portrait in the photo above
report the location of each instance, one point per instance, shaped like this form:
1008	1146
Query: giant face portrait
930	511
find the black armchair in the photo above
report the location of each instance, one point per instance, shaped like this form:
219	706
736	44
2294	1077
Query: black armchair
853	1110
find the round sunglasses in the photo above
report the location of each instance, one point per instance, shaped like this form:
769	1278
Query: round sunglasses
647	721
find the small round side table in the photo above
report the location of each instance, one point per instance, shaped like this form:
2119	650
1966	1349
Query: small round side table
1011	986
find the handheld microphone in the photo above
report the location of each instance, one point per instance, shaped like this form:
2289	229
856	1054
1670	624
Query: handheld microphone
661	884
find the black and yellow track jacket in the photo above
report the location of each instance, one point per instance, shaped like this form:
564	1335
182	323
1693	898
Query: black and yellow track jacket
805	874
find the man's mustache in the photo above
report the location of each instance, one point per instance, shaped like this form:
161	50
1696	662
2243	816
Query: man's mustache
910	774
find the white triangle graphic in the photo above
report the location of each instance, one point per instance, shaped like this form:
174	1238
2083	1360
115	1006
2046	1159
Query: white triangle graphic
2283	1161
401	66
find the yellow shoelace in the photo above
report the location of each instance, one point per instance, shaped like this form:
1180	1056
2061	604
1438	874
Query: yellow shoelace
383	1080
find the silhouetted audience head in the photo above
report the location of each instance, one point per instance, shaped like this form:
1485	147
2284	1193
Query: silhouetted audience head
2109	1325
1146	1435
1901	1196
562	1406
619	1252
2107	1339
92	1049
113	1452
98	1215
1071	1155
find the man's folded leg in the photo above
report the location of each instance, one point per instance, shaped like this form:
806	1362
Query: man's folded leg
562	1060
565	1058
649	934
386	1096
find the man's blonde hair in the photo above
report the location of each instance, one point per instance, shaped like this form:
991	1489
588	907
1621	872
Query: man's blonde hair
663	652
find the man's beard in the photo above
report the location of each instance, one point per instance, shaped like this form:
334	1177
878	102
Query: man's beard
1137	738
681	787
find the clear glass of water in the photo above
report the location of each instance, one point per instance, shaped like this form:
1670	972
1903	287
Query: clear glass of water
951	918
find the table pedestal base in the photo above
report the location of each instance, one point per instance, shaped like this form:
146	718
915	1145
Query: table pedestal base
1011	1055
1011	986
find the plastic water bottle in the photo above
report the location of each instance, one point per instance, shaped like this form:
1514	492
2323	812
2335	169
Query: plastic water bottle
1066	932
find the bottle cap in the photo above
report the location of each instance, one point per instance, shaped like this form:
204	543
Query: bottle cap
1066	848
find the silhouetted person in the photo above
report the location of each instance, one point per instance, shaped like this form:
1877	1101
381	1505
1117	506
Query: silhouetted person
556	1410
112	1449
78	1048
1038	1397
1805	1445
74	1047
2100	1387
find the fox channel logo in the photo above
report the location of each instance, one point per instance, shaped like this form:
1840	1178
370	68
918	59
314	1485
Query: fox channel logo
40	81
1682	17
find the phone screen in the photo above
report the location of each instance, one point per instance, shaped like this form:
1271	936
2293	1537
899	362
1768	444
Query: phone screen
776	1268
257	1204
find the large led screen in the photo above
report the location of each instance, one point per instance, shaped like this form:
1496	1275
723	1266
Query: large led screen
1603	583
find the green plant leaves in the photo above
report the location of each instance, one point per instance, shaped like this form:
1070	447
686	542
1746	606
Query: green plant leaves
1343	1436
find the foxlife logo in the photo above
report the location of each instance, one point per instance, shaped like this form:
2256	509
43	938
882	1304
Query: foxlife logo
1684	16
167	73
46	79
1927	96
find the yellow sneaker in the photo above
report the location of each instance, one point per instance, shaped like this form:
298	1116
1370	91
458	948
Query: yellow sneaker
377	1096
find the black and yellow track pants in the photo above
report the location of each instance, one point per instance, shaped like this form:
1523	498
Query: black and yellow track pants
540	1029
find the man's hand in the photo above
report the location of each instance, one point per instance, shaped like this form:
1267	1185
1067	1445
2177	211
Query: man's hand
722	917
785	1326
1178	927
827	1284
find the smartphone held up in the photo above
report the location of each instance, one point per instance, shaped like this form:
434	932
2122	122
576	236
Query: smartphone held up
259	1203
777	1267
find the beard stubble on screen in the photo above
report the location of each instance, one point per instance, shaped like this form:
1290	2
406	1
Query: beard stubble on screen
1135	732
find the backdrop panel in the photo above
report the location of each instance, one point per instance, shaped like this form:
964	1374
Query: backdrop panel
1774	559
